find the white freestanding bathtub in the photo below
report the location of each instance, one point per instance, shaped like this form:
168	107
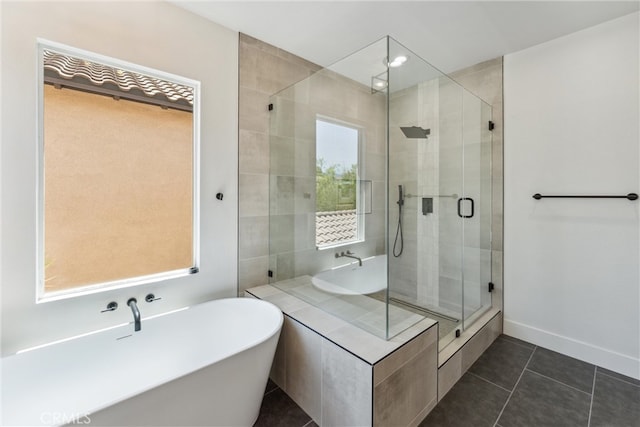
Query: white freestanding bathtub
351	279
206	365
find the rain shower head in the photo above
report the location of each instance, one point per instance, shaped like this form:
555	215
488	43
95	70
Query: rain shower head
415	132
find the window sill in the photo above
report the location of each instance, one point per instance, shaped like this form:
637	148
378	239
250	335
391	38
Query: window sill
339	245
44	297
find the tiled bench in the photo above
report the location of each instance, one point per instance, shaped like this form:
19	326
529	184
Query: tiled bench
342	375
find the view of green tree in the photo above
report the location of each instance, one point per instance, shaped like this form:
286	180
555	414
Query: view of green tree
335	187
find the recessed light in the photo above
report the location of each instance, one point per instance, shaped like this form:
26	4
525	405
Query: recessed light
398	61
379	82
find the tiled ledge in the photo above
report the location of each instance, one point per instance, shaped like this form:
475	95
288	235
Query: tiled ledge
364	345
342	375
455	359
457	344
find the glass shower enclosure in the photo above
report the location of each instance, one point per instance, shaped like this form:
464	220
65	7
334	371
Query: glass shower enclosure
380	193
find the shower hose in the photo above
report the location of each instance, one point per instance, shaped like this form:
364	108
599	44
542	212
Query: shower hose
397	253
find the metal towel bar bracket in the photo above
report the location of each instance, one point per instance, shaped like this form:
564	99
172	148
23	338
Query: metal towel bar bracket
630	196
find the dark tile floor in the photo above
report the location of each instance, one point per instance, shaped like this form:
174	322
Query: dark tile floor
278	410
514	383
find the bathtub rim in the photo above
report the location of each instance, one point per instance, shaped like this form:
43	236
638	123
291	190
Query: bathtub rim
335	289
106	400
258	343
121	325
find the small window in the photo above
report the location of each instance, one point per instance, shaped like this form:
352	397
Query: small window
118	171
337	184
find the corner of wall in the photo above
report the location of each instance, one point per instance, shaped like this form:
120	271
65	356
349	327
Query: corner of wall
258	80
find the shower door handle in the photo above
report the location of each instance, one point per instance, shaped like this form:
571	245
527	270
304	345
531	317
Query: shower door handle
460	207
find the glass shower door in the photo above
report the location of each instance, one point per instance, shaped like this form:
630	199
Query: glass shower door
450	190
475	208
439	229
464	245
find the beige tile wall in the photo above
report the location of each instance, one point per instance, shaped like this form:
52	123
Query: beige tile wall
264	70
398	399
283	141
346	388
292	126
403	170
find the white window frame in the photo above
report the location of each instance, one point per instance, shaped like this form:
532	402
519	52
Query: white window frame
360	220
41	295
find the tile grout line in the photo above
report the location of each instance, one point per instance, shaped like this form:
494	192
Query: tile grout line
618	379
559	382
486	380
515	386
271	391
511	341
593	392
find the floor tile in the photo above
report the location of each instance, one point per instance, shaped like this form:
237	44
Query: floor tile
278	410
517	341
502	363
270	386
540	401
618	376
567	370
615	403
548	394
471	402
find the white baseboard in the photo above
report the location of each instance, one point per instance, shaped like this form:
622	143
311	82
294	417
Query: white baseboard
621	363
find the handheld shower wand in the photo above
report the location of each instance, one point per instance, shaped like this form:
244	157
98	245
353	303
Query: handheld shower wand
400	202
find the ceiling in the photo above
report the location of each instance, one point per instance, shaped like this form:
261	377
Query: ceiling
448	34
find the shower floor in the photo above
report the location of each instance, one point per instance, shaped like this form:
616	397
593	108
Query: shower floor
446	324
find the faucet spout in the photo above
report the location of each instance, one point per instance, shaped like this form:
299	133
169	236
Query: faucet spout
136	313
350	254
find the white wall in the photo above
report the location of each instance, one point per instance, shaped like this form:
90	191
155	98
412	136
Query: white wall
572	127
154	34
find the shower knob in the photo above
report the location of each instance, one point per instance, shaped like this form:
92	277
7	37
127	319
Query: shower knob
219	196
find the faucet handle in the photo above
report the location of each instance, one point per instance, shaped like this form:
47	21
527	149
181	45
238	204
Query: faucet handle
151	298
112	306
349	252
